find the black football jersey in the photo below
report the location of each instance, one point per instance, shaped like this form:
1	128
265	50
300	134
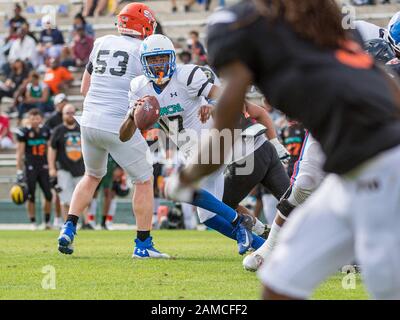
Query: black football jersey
35	144
341	96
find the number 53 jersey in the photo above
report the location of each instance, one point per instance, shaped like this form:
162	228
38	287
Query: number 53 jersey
180	101
113	63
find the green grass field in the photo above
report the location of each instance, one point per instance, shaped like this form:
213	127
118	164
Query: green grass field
205	266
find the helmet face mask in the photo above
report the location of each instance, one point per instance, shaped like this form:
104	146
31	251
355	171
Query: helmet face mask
158	58
159	72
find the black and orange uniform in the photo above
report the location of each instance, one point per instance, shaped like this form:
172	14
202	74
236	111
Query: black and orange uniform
36	167
268	170
353	120
292	137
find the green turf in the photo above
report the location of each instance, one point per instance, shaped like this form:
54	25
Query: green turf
205	266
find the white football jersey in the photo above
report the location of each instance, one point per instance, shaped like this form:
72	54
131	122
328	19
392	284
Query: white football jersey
113	63
369	31
180	101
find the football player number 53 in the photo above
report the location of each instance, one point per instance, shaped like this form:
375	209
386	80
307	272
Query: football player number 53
101	62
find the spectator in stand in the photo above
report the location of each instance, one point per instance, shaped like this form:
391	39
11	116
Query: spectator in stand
79	22
190	3
51	39
57	77
185	57
24	48
94	7
37	96
19	73
6	138
67	59
56	118
65	157
16	22
199	55
82	47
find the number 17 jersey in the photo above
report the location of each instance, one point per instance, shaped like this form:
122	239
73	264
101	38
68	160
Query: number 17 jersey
113	63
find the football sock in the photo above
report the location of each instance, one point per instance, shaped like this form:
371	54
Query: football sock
206	200
143	235
74	219
113	208
93	207
224	227
47	217
269	245
103	220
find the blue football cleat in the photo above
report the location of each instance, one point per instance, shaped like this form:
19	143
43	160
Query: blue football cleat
244	234
67	234
145	249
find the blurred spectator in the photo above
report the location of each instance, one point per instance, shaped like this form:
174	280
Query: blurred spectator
16	22
185	57
199	55
190	3
6	138
65	157
57	77
67	59
24	47
159	28
56	118
19	72
94	7
82	47
37	95
174	7
51	39
80	22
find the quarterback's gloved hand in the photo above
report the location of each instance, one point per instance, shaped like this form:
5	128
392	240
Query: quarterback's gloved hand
54	184
175	190
283	154
20	176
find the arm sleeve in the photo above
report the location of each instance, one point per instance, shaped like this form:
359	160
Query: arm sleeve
196	81
54	139
89	65
20	134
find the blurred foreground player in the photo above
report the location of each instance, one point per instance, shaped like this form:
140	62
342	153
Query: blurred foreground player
114	61
351	106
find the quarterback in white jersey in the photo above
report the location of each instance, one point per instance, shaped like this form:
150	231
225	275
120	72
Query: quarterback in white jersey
183	93
180	103
113	62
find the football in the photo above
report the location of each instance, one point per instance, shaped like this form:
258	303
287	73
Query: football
147	112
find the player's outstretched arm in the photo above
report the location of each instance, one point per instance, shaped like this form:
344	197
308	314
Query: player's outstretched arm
85	85
229	107
128	127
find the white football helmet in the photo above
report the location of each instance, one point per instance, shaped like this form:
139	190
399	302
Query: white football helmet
156	45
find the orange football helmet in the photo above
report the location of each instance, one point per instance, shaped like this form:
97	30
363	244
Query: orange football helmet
136	19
